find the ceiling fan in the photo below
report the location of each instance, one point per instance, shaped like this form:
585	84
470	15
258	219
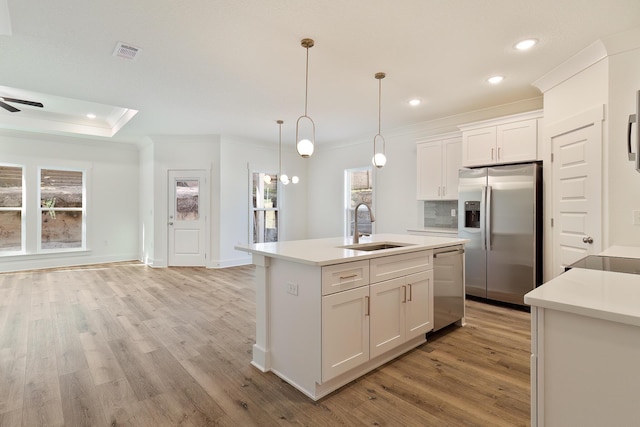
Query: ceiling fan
11	108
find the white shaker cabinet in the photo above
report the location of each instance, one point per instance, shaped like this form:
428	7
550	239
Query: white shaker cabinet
401	309
437	168
345	331
365	323
509	139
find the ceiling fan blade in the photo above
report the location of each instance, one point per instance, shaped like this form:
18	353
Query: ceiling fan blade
22	101
8	107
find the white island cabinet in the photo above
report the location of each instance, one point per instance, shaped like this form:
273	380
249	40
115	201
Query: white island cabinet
585	349
325	315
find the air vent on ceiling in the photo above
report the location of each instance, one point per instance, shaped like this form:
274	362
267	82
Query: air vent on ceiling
126	50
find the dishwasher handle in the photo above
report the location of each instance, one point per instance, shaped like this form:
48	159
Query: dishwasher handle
448	253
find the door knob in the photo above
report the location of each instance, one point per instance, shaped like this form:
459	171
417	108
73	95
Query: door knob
588	240
171	223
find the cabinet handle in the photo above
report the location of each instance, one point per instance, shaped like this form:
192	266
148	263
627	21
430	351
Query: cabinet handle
444	191
438	191
410	292
492	154
367	306
498	153
348	277
404	294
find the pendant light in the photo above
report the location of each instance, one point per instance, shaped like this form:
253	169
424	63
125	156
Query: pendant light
379	158
284	179
305	146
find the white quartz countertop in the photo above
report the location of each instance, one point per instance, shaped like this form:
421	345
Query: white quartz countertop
328	251
605	295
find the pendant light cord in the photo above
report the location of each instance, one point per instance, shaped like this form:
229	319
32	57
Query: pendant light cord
379	102
280	122
306	83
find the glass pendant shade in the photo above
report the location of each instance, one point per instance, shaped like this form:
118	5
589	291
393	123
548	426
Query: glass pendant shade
379	160
295	179
284	179
305	148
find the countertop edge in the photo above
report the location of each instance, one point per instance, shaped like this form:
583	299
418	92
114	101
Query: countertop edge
337	255
561	294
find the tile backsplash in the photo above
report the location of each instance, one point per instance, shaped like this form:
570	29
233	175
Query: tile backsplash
437	213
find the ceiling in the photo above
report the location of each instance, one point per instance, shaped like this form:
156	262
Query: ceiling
233	67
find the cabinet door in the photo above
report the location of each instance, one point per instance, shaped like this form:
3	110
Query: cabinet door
386	321
345	331
419	306
451	163
394	266
517	142
479	146
429	170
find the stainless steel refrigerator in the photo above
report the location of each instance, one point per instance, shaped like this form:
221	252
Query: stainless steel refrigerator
500	212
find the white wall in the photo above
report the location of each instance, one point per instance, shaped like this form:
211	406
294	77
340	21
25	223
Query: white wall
611	81
578	94
112	221
238	159
623	185
147	213
174	153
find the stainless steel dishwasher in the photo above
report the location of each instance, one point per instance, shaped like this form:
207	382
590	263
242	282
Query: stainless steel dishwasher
448	281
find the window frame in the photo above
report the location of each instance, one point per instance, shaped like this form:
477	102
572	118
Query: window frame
253	210
348	210
21	209
41	209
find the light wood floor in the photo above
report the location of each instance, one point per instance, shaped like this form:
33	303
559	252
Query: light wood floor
125	344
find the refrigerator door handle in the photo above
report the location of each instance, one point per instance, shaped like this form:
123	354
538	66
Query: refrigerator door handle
487	219
483	229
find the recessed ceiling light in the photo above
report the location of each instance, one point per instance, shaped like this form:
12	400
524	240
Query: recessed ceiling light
415	102
495	79
526	44
91	115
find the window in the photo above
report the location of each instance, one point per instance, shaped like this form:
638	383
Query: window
186	203
358	189
11	209
264	207
62	209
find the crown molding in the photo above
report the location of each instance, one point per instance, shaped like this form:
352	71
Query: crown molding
584	59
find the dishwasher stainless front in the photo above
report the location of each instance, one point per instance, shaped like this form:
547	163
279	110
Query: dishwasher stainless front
448	280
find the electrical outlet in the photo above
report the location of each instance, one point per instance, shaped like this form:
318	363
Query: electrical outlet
292	288
453	212
636	217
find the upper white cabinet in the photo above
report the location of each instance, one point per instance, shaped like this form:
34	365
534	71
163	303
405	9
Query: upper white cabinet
438	163
509	139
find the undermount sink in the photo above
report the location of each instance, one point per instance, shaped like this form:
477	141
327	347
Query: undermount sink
376	246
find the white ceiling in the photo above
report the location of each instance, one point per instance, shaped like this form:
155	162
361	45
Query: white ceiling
232	67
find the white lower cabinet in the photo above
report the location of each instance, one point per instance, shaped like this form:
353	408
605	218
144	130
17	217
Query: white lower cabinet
401	309
345	331
361	324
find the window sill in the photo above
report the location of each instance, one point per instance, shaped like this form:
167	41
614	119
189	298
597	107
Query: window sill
55	253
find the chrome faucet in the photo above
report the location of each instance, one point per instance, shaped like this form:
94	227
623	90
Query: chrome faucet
356	235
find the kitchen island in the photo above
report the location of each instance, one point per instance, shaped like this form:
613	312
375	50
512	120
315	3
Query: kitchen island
328	311
585	347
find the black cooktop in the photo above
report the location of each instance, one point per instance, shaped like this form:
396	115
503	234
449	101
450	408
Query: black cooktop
607	263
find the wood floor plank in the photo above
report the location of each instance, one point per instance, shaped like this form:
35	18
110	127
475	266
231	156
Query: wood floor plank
80	402
143	379
124	344
102	363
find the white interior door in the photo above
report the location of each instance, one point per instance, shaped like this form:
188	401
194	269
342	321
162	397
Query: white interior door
188	202
577	199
